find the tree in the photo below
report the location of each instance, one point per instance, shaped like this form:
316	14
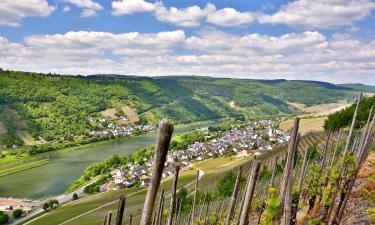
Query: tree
75	196
53	203
45	207
17	213
4	218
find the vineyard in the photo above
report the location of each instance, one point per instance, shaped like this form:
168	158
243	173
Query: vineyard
309	181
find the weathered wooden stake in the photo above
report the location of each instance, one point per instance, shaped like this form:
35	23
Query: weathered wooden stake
173	195
234	197
130	219
249	193
163	139
322	163
120	210
109	218
289	161
274	172
194	199
302	173
336	149
160	208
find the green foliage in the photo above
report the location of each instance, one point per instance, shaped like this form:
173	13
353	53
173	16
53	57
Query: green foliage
314	179
344	117
95	187
272	207
57	107
17	213
265	174
184	199
75	196
226	184
45	207
186	139
4	218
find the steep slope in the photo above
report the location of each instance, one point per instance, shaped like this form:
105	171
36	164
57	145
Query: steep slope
57	107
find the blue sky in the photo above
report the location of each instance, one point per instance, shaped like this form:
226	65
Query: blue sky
329	40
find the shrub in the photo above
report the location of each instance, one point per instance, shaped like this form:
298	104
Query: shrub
17	213
4	218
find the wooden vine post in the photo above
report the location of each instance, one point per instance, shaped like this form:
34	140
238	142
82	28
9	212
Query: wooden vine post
194	198
173	195
120	210
288	170
234	197
163	139
244	219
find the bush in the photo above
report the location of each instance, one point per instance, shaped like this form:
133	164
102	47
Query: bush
226	184
45	207
75	196
17	213
4	218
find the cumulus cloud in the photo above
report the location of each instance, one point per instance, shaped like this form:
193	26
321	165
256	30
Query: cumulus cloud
187	17
89	7
192	16
320	13
12	12
66	9
230	17
306	55
131	6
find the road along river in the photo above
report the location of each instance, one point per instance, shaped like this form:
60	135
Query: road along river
54	178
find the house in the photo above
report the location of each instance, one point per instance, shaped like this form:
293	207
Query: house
243	153
6	207
145	181
119	186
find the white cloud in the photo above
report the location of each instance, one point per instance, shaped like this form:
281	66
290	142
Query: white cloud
66	9
88	13
306	55
12	12
230	17
131	6
89	7
320	13
192	16
187	17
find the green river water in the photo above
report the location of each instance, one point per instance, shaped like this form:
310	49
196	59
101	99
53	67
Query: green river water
54	178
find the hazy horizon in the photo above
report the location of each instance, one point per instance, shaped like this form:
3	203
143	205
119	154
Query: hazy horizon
331	41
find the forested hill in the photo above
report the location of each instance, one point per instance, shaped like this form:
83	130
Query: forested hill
344	117
56	107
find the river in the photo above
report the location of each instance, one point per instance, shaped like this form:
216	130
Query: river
54	178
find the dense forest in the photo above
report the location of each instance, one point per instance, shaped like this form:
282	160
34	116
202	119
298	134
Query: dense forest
56	107
344	117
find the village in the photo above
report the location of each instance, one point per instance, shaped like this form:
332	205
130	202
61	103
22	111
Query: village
249	139
109	127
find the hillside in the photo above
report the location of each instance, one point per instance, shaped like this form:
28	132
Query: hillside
55	107
343	118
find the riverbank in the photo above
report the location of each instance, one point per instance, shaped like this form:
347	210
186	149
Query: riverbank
24	167
23	163
67	166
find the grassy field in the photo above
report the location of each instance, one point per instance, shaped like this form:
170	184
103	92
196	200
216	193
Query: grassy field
306	124
23	167
321	109
91	209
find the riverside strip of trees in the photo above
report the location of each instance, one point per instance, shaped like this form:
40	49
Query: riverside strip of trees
313	182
